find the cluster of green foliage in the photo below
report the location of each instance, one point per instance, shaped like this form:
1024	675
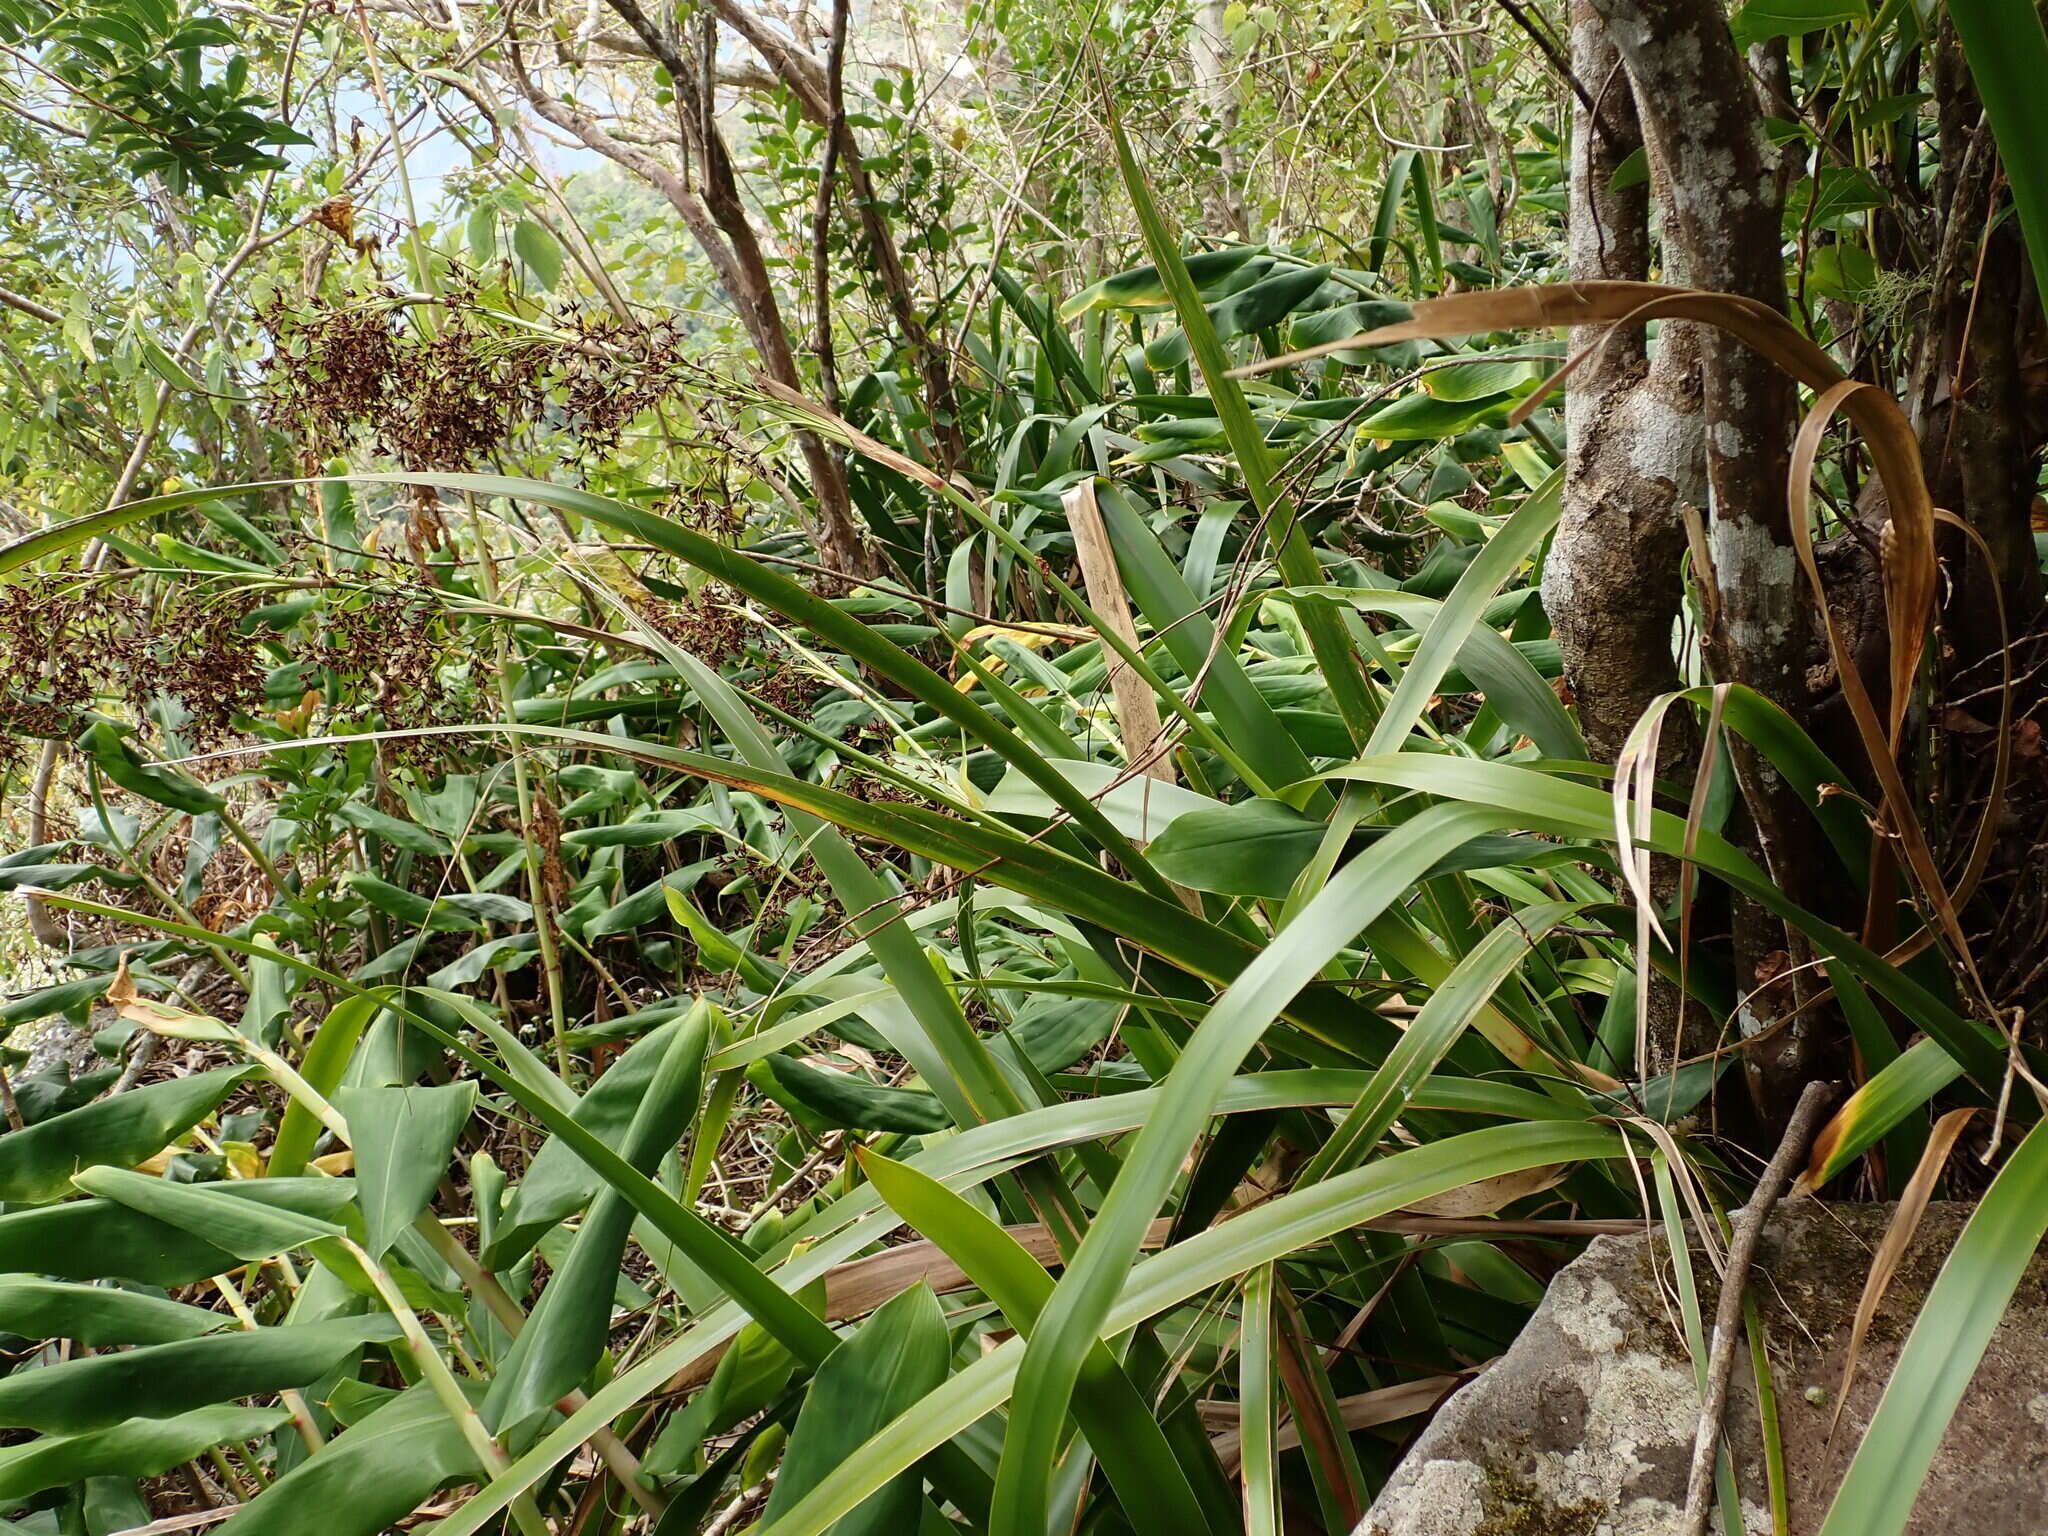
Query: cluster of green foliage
686	1038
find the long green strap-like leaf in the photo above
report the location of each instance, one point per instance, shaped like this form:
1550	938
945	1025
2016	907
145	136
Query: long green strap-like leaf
1463	611
1275	1230
1942	1352
1121	1427
1297	561
1258	1390
1186	630
566	1334
1361	890
854	1222
1431	1033
1546	801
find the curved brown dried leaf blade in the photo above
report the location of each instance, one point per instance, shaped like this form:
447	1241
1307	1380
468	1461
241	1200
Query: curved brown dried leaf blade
1898	1238
1898	803
1909	572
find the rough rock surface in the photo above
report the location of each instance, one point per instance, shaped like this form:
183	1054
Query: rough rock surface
1585	1427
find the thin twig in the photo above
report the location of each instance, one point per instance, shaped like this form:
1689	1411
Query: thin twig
821	218
175	1523
1749	1229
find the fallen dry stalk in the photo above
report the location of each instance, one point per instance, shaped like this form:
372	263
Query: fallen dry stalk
1749	1230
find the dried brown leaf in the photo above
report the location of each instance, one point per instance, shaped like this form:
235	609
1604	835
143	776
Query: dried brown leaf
1898	1238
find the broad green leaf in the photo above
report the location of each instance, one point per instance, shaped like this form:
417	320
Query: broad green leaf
540	251
1265	303
1259	847
1141	807
99	1315
135	1448
891	1361
49	877
248	1229
642	831
61	998
408	835
558	1183
115	758
369	1477
1483	378
1056	1032
1422	418
334	1042
407	906
566	1333
488	906
480	233
103	1239
1758	21
1143	288
403	1138
1902	1088
160	1380
846	1099
37	1164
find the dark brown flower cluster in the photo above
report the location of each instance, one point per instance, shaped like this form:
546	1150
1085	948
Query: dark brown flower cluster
66	644
458	394
450	393
787	686
394	659
874	791
709	626
200	656
707	504
612	373
56	636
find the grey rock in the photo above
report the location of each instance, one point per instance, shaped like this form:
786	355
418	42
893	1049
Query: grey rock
58	1044
1585	1426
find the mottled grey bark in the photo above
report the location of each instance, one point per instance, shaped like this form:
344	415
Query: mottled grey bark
1719	196
1634	447
1634	457
1216	97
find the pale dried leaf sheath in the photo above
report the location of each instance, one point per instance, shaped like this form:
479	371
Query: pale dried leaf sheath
1137	711
1364	1410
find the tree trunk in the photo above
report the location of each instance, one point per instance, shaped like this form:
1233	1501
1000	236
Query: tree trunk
1718	189
1979	416
1216	99
1633	459
806	79
716	216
